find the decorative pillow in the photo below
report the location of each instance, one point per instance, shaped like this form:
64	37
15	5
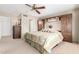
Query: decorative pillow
48	30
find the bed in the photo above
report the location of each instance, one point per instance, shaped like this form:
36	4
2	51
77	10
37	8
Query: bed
43	41
50	43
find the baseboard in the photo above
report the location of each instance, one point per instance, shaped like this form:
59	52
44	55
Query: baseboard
6	37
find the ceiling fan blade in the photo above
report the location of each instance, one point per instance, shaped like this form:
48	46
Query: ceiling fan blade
28	5
40	7
37	11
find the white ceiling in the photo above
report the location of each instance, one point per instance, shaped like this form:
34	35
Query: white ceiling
13	9
16	9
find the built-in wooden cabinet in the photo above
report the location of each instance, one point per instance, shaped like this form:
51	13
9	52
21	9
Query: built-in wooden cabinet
66	27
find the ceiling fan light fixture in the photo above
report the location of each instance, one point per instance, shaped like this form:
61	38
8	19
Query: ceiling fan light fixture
34	7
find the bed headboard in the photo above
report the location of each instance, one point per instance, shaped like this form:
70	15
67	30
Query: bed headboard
53	23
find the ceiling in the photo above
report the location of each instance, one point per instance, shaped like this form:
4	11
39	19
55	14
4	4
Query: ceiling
13	9
16	9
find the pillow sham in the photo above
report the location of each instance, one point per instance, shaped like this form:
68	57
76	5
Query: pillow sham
48	30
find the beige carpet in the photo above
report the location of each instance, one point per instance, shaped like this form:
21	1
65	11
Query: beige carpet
19	46
66	48
15	46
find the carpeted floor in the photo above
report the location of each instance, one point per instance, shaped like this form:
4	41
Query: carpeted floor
15	46
19	46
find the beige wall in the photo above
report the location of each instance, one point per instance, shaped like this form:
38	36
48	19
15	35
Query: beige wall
14	20
28	24
56	24
12	17
76	25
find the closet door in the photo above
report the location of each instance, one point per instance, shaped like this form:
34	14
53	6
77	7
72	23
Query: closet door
66	22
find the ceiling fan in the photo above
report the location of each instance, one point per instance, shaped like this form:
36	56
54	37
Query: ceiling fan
34	7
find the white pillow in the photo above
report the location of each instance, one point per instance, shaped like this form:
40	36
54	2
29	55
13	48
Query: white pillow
44	30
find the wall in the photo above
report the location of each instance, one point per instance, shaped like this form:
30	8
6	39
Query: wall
75	25
33	23
0	30
24	25
14	20
28	24
56	24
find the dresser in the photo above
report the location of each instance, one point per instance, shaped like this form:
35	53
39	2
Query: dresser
16	31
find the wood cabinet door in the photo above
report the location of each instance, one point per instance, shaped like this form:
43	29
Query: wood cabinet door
66	22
